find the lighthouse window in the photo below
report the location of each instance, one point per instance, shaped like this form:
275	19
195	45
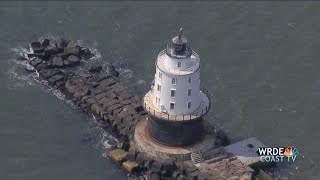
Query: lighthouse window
157	100
173	81
171	106
159	87
189	92
160	75
189	80
173	93
189	105
179	64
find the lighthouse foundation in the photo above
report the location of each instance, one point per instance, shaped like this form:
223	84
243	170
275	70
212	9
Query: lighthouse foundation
145	143
174	133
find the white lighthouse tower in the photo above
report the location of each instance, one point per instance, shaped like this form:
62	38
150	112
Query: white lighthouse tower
175	102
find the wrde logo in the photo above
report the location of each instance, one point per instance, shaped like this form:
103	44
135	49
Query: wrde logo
268	154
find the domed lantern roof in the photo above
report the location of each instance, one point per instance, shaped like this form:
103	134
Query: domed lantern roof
179	47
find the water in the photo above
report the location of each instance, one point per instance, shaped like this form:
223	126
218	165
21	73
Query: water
259	59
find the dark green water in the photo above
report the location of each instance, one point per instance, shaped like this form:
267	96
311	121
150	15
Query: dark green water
259	59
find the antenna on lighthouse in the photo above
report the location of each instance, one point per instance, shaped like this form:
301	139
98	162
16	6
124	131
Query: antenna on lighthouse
180	33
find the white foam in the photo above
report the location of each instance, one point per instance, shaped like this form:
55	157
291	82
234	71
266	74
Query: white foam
105	139
58	94
106	145
140	82
23	80
126	73
16	50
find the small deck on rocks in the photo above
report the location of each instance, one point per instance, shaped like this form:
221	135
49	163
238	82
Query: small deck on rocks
246	150
232	161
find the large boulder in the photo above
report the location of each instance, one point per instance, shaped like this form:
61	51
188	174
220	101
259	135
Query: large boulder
182	177
95	69
131	156
86	53
54	79
73	59
182	168
123	145
52	42
175	174
100	96
148	163
71	44
57	61
63	55
153	176
107	82
141	157
36	47
51	49
156	167
137	107
90	101
60	84
29	68
72	48
41	67
35	62
117	155
39	55
191	168
84	73
45	42
130	166
168	166
61	43
50	72
67	63
194	175
112	70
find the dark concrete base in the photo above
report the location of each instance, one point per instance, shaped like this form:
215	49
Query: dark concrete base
144	143
175	133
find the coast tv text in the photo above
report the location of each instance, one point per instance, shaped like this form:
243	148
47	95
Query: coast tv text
278	154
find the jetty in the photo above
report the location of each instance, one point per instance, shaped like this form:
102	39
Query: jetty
200	154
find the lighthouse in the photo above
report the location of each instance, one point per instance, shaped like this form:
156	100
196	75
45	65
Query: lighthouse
175	103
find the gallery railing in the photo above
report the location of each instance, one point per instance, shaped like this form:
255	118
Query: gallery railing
203	110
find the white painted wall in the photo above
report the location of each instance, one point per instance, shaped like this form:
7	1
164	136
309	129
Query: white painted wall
170	65
185	63
181	87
